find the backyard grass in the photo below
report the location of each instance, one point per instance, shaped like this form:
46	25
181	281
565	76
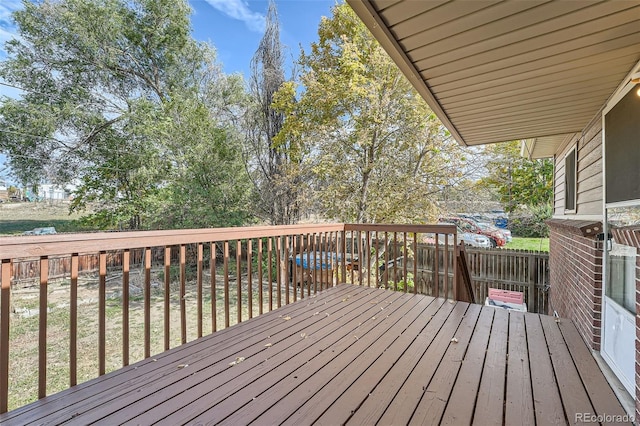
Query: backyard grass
15	218
535	244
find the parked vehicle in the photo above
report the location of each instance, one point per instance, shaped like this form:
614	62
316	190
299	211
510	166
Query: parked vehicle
489	227
475	240
469	238
468	225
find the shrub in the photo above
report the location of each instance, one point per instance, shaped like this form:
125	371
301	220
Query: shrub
530	222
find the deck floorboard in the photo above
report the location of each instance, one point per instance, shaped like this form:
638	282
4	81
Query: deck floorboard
353	355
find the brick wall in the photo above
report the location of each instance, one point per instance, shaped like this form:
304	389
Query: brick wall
576	276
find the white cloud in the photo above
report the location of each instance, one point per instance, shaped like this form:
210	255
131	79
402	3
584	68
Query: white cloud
8	29
239	9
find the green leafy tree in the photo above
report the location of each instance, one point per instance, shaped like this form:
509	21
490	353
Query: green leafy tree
109	86
378	153
518	181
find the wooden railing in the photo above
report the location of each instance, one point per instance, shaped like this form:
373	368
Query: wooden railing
116	298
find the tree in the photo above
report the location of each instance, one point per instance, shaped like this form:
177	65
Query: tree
378	152
273	166
517	180
108	88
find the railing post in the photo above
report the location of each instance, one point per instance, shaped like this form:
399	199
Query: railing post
455	268
239	281
102	320
125	307
212	269
343	249
5	294
226	283
147	303
183	292
73	320
167	295
199	287
42	328
532	282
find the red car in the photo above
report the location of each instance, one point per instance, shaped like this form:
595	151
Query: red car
467	225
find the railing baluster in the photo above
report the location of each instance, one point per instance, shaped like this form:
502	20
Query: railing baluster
183	293
436	264
42	328
368	244
226	284
314	269
343	251
5	294
294	269
445	283
260	292
102	324
323	261
167	296
269	271
212	268
395	260
278	270
73	322
125	306
375	261
352	258
199	288
361	258
455	269
239	281
249	281
405	259
385	275
299	268
309	273
147	303
415	263
285	263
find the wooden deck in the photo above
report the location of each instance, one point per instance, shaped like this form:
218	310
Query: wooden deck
353	355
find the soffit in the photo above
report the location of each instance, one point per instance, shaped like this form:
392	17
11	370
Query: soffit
497	71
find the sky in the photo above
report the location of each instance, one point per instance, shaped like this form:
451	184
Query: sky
233	27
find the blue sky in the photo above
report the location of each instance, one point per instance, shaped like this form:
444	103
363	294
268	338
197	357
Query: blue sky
233	27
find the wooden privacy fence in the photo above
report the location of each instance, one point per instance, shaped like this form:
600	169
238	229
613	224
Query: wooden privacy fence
516	270
190	282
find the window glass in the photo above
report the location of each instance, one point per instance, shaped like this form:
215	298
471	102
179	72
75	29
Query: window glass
570	181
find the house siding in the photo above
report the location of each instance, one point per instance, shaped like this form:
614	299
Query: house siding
589	175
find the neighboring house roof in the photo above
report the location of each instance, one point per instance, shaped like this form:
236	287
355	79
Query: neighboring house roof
499	71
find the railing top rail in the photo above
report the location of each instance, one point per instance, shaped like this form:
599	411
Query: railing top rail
382	227
62	244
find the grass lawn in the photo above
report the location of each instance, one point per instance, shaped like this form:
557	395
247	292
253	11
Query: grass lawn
15	218
535	244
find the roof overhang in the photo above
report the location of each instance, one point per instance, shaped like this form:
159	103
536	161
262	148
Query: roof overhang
496	71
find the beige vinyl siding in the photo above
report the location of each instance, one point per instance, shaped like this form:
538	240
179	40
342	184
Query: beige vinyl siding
558	190
589	176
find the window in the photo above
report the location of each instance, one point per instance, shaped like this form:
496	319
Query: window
570	181
622	156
